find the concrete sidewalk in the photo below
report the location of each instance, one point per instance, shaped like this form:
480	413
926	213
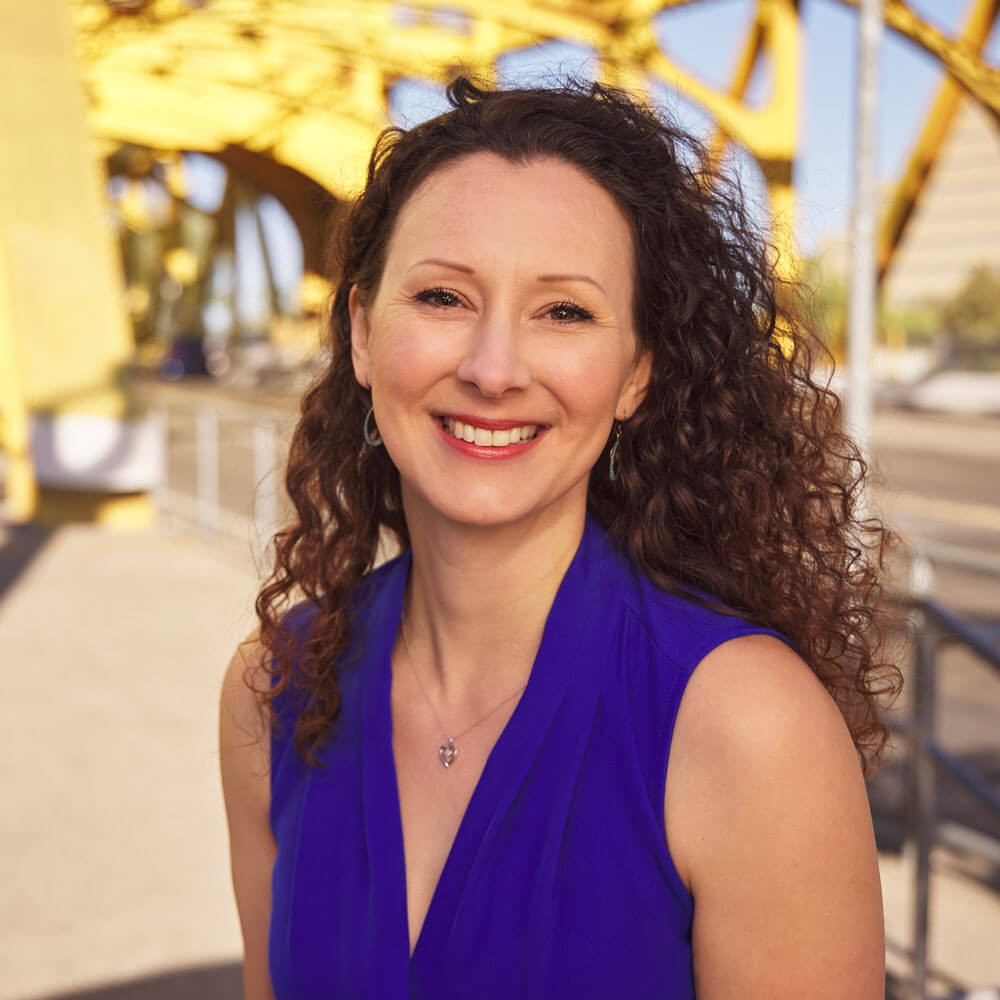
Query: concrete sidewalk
113	853
113	850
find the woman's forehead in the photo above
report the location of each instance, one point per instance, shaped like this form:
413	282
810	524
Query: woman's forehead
482	205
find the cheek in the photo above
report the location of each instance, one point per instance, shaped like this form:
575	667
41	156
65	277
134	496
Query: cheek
404	360
588	381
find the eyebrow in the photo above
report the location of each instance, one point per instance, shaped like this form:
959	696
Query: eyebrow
541	277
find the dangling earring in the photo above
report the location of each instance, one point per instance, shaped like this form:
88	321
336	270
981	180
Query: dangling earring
613	457
372	440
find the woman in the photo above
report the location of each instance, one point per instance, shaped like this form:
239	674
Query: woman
599	728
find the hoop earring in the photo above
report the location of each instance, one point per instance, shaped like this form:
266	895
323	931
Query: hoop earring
372	440
615	449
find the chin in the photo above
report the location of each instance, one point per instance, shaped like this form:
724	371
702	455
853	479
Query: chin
474	509
486	515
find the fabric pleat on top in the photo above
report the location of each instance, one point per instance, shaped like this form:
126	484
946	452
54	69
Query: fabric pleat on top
559	882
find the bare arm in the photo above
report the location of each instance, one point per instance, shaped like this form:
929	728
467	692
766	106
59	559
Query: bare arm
769	826
244	753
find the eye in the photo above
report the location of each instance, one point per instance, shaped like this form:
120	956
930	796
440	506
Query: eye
565	312
441	297
570	312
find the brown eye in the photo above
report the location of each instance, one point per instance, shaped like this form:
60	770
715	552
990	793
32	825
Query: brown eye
441	297
570	312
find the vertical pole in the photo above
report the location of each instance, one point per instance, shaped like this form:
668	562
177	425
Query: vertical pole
207	459
265	252
861	313
238	289
922	803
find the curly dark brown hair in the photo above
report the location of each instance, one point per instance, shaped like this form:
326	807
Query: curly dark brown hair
736	476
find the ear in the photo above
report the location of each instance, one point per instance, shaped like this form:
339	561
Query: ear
360	355
634	390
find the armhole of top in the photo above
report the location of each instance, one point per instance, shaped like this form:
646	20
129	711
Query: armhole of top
739	630
282	734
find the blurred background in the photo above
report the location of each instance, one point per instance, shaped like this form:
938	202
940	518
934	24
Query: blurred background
169	170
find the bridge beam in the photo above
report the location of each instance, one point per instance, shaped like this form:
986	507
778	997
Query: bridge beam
62	326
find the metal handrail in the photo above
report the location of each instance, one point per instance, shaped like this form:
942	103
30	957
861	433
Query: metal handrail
928	761
967	633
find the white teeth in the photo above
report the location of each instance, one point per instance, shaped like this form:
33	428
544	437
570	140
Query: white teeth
486	438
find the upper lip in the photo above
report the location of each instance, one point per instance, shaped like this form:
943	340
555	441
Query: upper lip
490	425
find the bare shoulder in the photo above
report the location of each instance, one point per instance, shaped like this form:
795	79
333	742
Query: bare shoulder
769	826
244	733
242	719
753	700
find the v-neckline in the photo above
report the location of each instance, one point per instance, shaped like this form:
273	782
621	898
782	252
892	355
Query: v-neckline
502	775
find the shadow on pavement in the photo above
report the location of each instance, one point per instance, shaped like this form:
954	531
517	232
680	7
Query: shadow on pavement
208	982
19	545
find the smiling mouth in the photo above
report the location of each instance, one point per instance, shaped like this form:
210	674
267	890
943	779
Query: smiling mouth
485	438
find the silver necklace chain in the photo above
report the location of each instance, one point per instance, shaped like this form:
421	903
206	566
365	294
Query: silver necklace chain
448	751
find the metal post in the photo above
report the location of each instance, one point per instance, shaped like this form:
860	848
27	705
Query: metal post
207	460
922	800
264	465
861	316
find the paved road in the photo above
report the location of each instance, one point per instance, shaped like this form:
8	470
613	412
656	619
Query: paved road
941	477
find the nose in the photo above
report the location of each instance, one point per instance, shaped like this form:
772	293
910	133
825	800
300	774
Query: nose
494	361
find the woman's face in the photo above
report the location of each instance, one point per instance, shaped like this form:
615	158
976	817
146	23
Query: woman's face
503	315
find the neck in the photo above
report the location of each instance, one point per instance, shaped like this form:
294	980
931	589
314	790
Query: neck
478	598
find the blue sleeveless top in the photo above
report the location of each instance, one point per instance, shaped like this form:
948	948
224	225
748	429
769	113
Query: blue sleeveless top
559	882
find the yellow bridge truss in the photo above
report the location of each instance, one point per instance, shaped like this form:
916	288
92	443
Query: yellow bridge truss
305	83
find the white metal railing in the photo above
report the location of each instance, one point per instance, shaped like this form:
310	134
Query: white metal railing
220	471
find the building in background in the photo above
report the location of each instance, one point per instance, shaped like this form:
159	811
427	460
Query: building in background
955	225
